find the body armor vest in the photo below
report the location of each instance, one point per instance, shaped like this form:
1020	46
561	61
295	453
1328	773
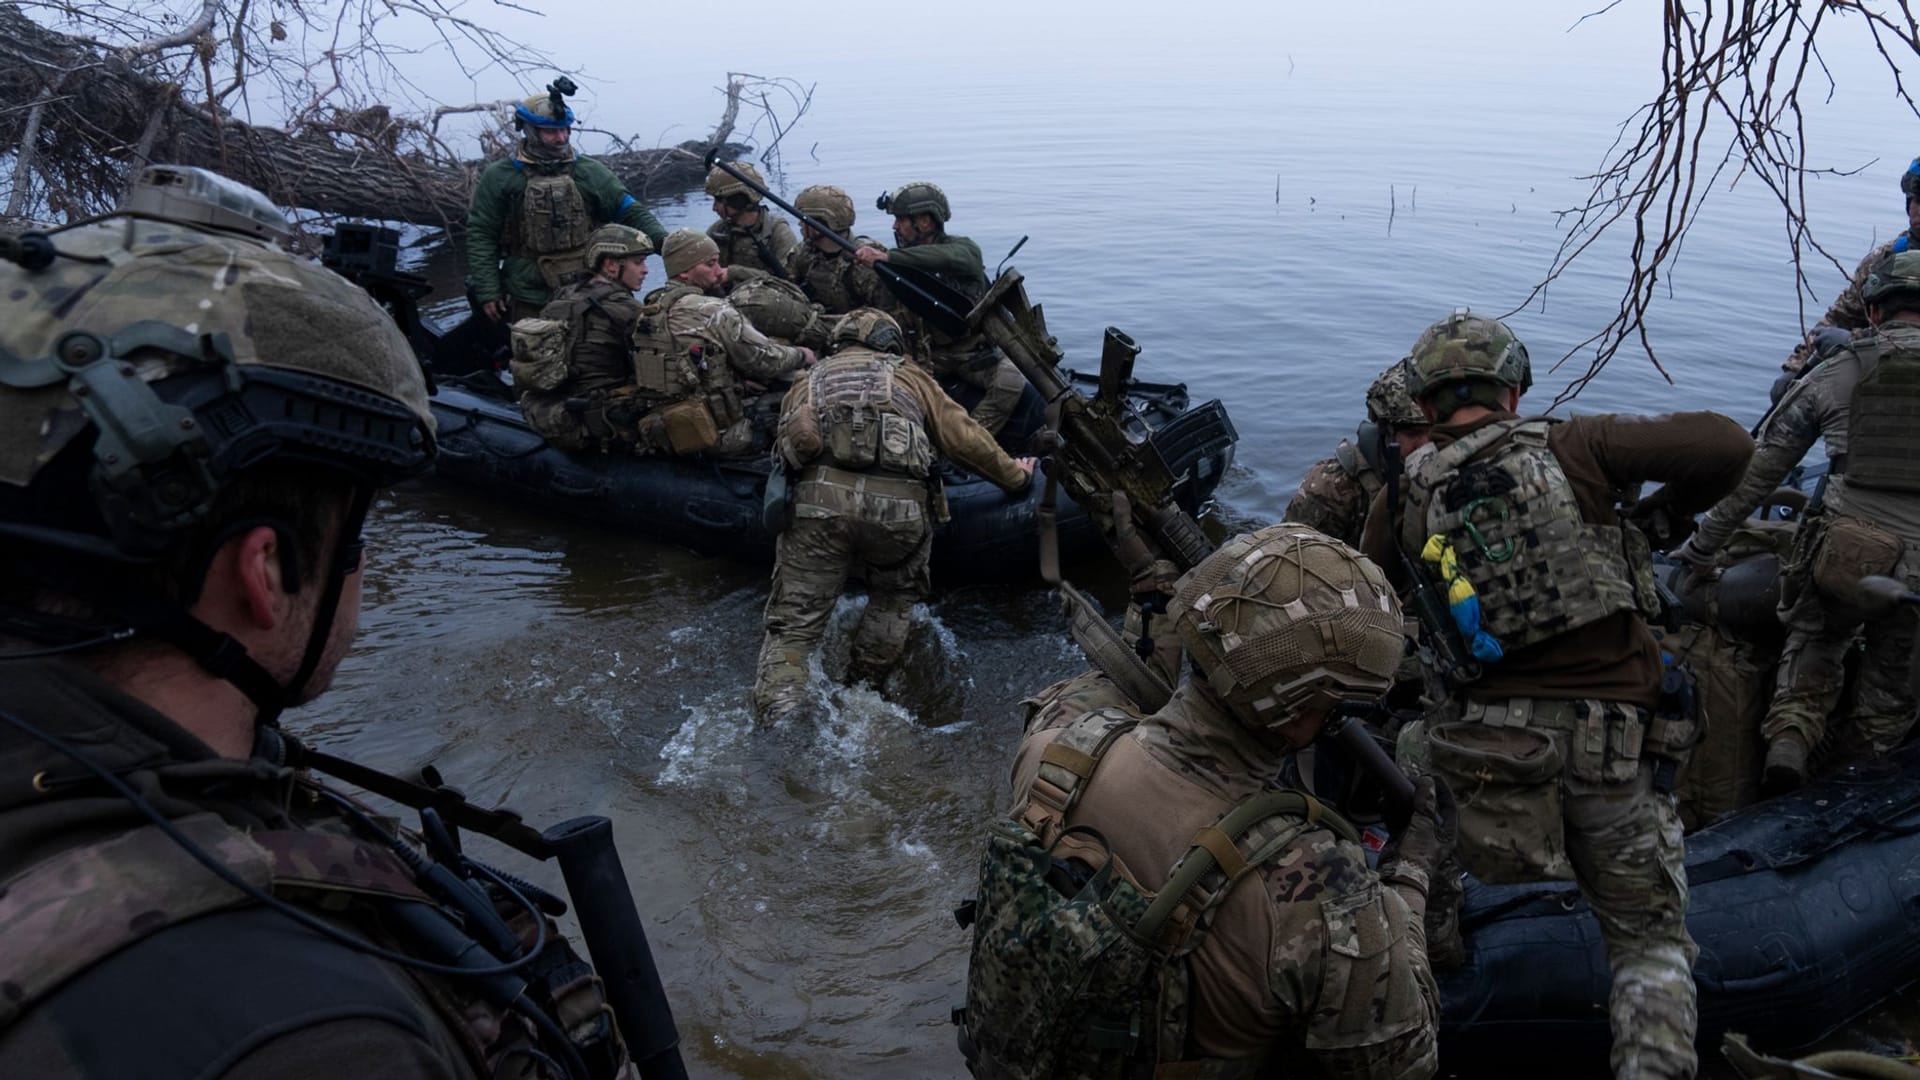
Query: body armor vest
1539	568
1883	419
828	280
867	420
602	315
554	227
1087	974
670	367
752	248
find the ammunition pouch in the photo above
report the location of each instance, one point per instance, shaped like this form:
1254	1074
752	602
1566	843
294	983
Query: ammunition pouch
1506	785
684	427
1852	548
1678	724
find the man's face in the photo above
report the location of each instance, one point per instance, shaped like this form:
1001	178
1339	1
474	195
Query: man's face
724	210
633	271
909	230
553	138
1913	215
708	275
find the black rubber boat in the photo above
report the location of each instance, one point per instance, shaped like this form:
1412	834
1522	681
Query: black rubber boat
715	506
1806	909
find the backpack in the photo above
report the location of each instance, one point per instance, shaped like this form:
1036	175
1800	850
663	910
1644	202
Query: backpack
541	348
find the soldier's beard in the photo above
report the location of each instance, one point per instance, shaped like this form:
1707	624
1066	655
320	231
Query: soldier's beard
532	149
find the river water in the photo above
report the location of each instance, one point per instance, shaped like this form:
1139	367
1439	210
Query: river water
1273	204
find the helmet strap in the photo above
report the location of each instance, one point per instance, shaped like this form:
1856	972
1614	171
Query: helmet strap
346	560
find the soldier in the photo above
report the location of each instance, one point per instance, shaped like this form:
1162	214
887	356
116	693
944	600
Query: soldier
532	213
829	274
1566	747
192	426
747	234
858	434
1849	311
593	402
1862	402
920	217
1336	492
1168	824
698	363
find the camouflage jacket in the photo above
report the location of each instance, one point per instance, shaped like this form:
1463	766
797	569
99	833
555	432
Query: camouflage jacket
837	281
1280	976
239	993
1813	409
1849	309
1335	494
718	324
495	211
767	247
952	432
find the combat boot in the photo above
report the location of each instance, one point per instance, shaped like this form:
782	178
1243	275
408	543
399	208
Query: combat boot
1786	764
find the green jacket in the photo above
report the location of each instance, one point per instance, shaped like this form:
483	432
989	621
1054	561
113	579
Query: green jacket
953	258
496	208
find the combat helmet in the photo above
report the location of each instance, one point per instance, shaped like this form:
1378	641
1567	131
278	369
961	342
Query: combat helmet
616	241
548	110
1466	348
1910	180
722	184
918	197
1894	278
170	352
830	205
1287	620
779	309
870	328
1388	402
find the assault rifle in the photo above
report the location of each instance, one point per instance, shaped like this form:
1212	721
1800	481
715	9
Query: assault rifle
1443	638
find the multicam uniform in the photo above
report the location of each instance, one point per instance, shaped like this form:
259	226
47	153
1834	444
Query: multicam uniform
602	315
1335	494
1849	309
971	358
528	225
694	348
838	282
858	433
767	247
1861	402
1555	759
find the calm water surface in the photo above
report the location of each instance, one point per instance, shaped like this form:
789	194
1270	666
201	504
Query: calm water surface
1274	207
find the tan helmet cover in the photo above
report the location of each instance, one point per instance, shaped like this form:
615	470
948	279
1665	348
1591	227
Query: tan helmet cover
616	242
277	310
721	184
1287	620
684	249
1388	402
831	205
870	328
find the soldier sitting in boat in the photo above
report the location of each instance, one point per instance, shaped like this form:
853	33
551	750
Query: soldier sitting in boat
827	272
573	365
699	365
1864	403
1336	492
747	234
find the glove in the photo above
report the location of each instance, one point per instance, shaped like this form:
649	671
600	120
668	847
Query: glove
1696	558
1429	836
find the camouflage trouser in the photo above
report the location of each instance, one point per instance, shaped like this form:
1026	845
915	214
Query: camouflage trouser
1812	672
1622	841
843	521
1002	382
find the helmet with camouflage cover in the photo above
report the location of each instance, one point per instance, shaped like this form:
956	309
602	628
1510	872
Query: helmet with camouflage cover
1464	347
684	249
1388	402
830	205
1894	281
722	184
778	309
1285	621
616	242
871	328
170	352
918	197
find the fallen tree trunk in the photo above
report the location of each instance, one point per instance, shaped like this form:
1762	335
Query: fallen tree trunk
97	114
